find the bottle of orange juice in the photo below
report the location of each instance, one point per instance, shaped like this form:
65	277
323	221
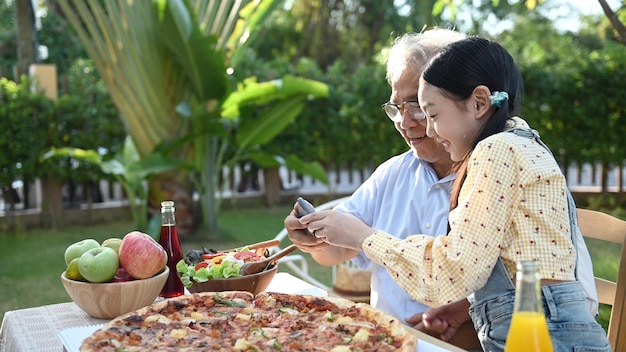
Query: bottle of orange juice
528	331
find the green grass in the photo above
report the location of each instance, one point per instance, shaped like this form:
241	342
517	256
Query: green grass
605	257
31	263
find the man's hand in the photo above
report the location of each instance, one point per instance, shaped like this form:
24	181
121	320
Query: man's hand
297	234
450	323
321	251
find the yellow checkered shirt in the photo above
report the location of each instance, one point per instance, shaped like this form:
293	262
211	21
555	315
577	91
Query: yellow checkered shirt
512	205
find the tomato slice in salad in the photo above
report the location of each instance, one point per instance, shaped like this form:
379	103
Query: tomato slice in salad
211	256
201	265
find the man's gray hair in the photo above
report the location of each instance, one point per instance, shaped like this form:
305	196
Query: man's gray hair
416	49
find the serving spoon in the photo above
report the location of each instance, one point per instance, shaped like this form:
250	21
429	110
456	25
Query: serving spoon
258	266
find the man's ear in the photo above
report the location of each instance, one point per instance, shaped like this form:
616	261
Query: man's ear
481	101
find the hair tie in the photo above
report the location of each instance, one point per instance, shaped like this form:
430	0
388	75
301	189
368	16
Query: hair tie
498	97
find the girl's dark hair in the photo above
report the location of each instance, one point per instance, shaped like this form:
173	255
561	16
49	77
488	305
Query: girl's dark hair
462	66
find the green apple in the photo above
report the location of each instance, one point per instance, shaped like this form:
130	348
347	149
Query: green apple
72	272
98	264
75	250
113	243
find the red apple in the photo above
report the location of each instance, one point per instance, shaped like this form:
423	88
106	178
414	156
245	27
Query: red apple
122	276
141	255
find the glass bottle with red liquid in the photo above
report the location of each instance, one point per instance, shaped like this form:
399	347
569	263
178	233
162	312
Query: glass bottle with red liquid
169	240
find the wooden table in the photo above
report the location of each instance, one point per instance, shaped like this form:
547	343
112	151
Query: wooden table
37	329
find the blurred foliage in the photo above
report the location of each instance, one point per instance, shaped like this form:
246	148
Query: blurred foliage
569	78
335	129
30	124
574	82
62	43
86	118
24	117
351	31
8	41
573	91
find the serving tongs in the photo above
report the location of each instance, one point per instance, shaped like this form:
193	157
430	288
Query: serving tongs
261	265
258	245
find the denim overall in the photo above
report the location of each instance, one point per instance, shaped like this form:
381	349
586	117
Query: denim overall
571	326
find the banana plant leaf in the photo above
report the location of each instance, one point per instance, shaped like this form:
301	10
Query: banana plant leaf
196	52
247	27
253	92
269	123
313	169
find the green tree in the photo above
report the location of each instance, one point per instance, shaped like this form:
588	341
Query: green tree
8	42
328	30
64	47
89	120
25	31
21	113
127	168
571	85
174	95
503	9
340	44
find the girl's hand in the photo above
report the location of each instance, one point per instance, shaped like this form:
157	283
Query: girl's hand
339	229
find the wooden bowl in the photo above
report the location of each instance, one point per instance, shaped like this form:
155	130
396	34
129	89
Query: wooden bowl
254	283
109	300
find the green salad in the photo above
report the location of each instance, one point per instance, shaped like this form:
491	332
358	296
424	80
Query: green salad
219	265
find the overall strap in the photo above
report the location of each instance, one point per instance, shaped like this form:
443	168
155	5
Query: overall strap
573	218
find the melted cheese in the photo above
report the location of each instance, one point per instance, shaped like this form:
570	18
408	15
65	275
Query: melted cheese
158	317
361	336
178	333
242	345
245	317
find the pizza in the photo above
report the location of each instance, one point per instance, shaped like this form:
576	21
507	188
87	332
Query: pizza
239	321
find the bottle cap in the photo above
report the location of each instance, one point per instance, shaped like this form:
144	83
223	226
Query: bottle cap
167	204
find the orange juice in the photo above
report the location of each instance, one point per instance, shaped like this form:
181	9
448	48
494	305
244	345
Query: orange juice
528	332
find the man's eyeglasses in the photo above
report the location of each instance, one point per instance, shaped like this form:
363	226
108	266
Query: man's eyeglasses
411	107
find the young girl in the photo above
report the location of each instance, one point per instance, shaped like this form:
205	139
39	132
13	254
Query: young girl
509	201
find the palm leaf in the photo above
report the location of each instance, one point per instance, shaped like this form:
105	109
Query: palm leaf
142	80
269	123
252	92
196	52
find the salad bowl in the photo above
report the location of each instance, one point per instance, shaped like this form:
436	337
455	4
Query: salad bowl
215	271
253	283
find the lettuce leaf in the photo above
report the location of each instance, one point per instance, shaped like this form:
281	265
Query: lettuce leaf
189	274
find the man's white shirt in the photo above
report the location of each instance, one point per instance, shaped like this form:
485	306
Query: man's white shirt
404	196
